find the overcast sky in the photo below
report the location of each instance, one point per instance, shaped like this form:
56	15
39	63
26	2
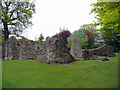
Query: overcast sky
52	14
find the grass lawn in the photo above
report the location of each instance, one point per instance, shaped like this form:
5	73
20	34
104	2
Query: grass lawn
0	73
81	74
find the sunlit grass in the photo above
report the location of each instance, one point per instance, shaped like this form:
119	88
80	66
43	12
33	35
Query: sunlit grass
0	73
81	74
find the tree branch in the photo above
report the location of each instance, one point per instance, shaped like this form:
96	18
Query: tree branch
11	23
13	19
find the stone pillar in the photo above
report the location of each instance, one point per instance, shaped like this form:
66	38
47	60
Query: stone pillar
76	49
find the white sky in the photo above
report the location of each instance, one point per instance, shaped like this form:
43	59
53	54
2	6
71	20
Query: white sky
52	14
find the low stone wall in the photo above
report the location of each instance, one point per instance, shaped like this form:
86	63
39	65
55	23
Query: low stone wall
105	50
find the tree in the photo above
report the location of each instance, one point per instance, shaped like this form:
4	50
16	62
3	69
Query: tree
91	38
41	37
86	27
64	34
82	37
107	17
91	33
15	17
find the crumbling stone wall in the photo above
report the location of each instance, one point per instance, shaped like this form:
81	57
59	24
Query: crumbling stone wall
27	50
10	49
54	50
22	49
105	50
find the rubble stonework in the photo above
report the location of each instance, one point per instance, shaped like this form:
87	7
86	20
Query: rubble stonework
76	49
105	50
27	50
10	49
14	50
54	50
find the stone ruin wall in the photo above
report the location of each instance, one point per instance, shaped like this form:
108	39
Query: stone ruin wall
105	51
90	54
12	49
26	50
55	50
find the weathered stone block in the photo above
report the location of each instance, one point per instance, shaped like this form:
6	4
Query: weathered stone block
54	50
76	49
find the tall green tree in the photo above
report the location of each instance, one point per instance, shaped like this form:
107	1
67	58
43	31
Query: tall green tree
86	27
15	16
107	14
41	37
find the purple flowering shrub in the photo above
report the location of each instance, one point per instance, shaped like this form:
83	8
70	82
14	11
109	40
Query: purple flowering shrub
64	34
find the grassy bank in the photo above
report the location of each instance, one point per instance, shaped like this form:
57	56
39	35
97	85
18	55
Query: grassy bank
81	74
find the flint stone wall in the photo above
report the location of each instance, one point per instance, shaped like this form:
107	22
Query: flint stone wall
76	49
105	50
14	50
27	50
54	50
10	49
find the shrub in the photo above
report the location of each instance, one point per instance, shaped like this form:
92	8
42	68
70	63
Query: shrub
91	36
64	34
82	37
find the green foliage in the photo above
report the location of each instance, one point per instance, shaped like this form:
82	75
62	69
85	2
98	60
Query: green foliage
1	39
86	27
91	33
41	37
24	38
82	74
107	17
82	37
40	41
16	16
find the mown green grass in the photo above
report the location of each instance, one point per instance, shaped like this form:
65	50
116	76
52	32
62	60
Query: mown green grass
0	73
81	74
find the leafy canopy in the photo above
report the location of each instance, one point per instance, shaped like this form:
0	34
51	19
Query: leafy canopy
107	16
15	16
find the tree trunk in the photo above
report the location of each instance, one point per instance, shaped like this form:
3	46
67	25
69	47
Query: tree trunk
6	32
